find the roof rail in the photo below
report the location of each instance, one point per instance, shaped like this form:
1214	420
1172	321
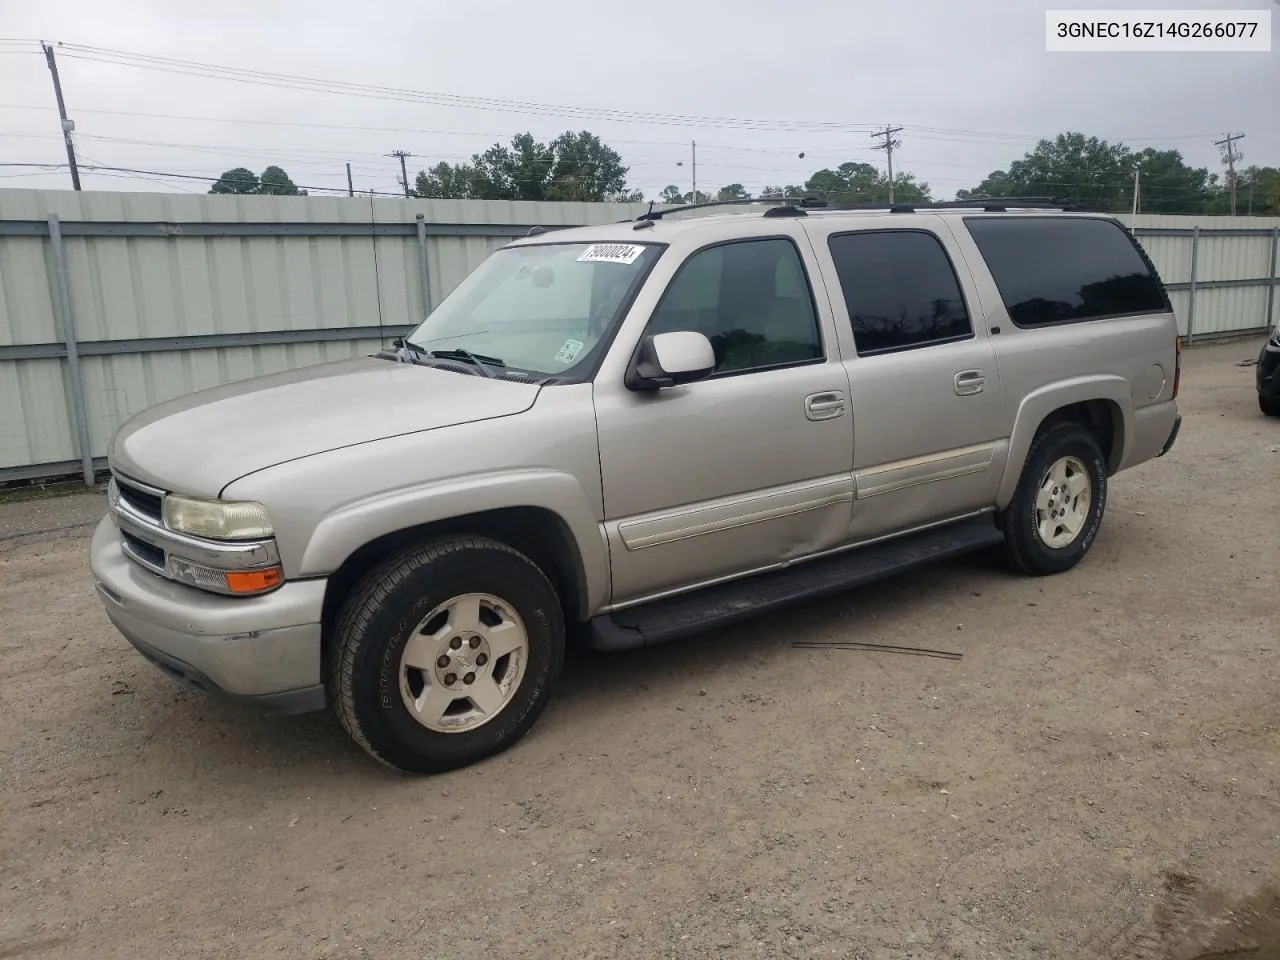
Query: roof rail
778	201
986	204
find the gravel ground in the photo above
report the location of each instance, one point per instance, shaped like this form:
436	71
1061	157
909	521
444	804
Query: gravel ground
1097	777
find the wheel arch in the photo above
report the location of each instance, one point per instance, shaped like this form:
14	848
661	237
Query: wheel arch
537	532
544	514
1100	404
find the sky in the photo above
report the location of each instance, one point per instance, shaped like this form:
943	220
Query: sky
753	82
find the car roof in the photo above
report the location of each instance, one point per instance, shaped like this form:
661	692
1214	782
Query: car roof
749	221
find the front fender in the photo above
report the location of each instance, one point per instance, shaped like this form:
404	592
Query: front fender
339	534
1040	403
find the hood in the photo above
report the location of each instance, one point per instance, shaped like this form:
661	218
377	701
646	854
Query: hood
198	443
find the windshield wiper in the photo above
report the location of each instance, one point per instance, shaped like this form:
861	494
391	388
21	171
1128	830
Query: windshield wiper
479	360
406	351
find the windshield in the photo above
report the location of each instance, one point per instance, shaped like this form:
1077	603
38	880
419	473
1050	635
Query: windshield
540	309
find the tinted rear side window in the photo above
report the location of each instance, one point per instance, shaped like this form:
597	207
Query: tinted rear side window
1056	269
900	289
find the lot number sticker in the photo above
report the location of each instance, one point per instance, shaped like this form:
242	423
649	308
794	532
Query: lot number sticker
611	253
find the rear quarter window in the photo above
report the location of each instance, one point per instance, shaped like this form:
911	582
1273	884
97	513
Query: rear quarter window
1062	269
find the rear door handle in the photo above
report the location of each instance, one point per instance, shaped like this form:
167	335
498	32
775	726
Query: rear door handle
824	406
969	382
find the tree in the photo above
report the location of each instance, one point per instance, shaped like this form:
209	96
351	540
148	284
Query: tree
585	168
1096	175
734	191
517	172
671	194
1258	190
237	180
573	166
276	182
778	193
863	183
1073	168
1167	185
241	180
445	181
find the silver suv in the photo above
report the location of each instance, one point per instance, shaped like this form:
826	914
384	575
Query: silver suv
629	434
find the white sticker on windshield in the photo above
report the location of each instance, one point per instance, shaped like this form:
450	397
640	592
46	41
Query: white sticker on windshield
569	352
611	253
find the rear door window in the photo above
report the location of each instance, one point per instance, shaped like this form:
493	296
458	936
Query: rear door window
1063	269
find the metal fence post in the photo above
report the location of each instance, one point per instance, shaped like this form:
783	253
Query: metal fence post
1191	285
424	277
1273	271
69	338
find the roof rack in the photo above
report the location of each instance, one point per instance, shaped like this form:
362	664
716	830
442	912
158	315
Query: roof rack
798	202
986	204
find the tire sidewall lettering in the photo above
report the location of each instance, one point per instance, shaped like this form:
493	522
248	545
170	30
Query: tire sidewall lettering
389	663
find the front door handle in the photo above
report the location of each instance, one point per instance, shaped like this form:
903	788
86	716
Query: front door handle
969	382
824	406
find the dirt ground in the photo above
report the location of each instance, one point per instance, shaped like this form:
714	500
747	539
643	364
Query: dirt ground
1096	778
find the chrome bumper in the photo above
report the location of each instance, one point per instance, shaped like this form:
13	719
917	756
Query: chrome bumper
264	648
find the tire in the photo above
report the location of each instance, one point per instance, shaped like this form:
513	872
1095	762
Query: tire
1270	406
1072	450
395	664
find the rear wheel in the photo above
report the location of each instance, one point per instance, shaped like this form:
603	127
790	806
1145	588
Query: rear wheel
446	654
1270	406
1057	509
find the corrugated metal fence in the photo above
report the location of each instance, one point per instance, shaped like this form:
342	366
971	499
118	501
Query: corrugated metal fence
112	302
1221	272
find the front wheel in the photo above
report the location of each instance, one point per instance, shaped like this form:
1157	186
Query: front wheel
1058	505
1270	406
446	654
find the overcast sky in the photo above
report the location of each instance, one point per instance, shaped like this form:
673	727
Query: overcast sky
970	83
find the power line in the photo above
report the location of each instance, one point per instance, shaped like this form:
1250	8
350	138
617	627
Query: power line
174	176
212	179
373	91
329	126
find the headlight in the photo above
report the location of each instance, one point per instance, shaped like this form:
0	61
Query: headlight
217	519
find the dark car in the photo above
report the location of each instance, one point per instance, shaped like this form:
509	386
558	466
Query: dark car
1269	376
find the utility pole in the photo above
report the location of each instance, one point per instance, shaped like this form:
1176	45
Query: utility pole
694	144
351	190
1229	156
1137	185
887	147
404	173
67	125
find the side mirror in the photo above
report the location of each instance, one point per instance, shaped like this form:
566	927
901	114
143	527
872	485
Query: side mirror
670	359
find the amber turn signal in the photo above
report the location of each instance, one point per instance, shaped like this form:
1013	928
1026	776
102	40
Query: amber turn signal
254	581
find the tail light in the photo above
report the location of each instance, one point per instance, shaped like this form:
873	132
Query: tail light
1177	366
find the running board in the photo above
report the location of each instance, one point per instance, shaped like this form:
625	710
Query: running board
680	616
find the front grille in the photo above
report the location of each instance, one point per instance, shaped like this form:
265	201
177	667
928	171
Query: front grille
142	550
143	501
